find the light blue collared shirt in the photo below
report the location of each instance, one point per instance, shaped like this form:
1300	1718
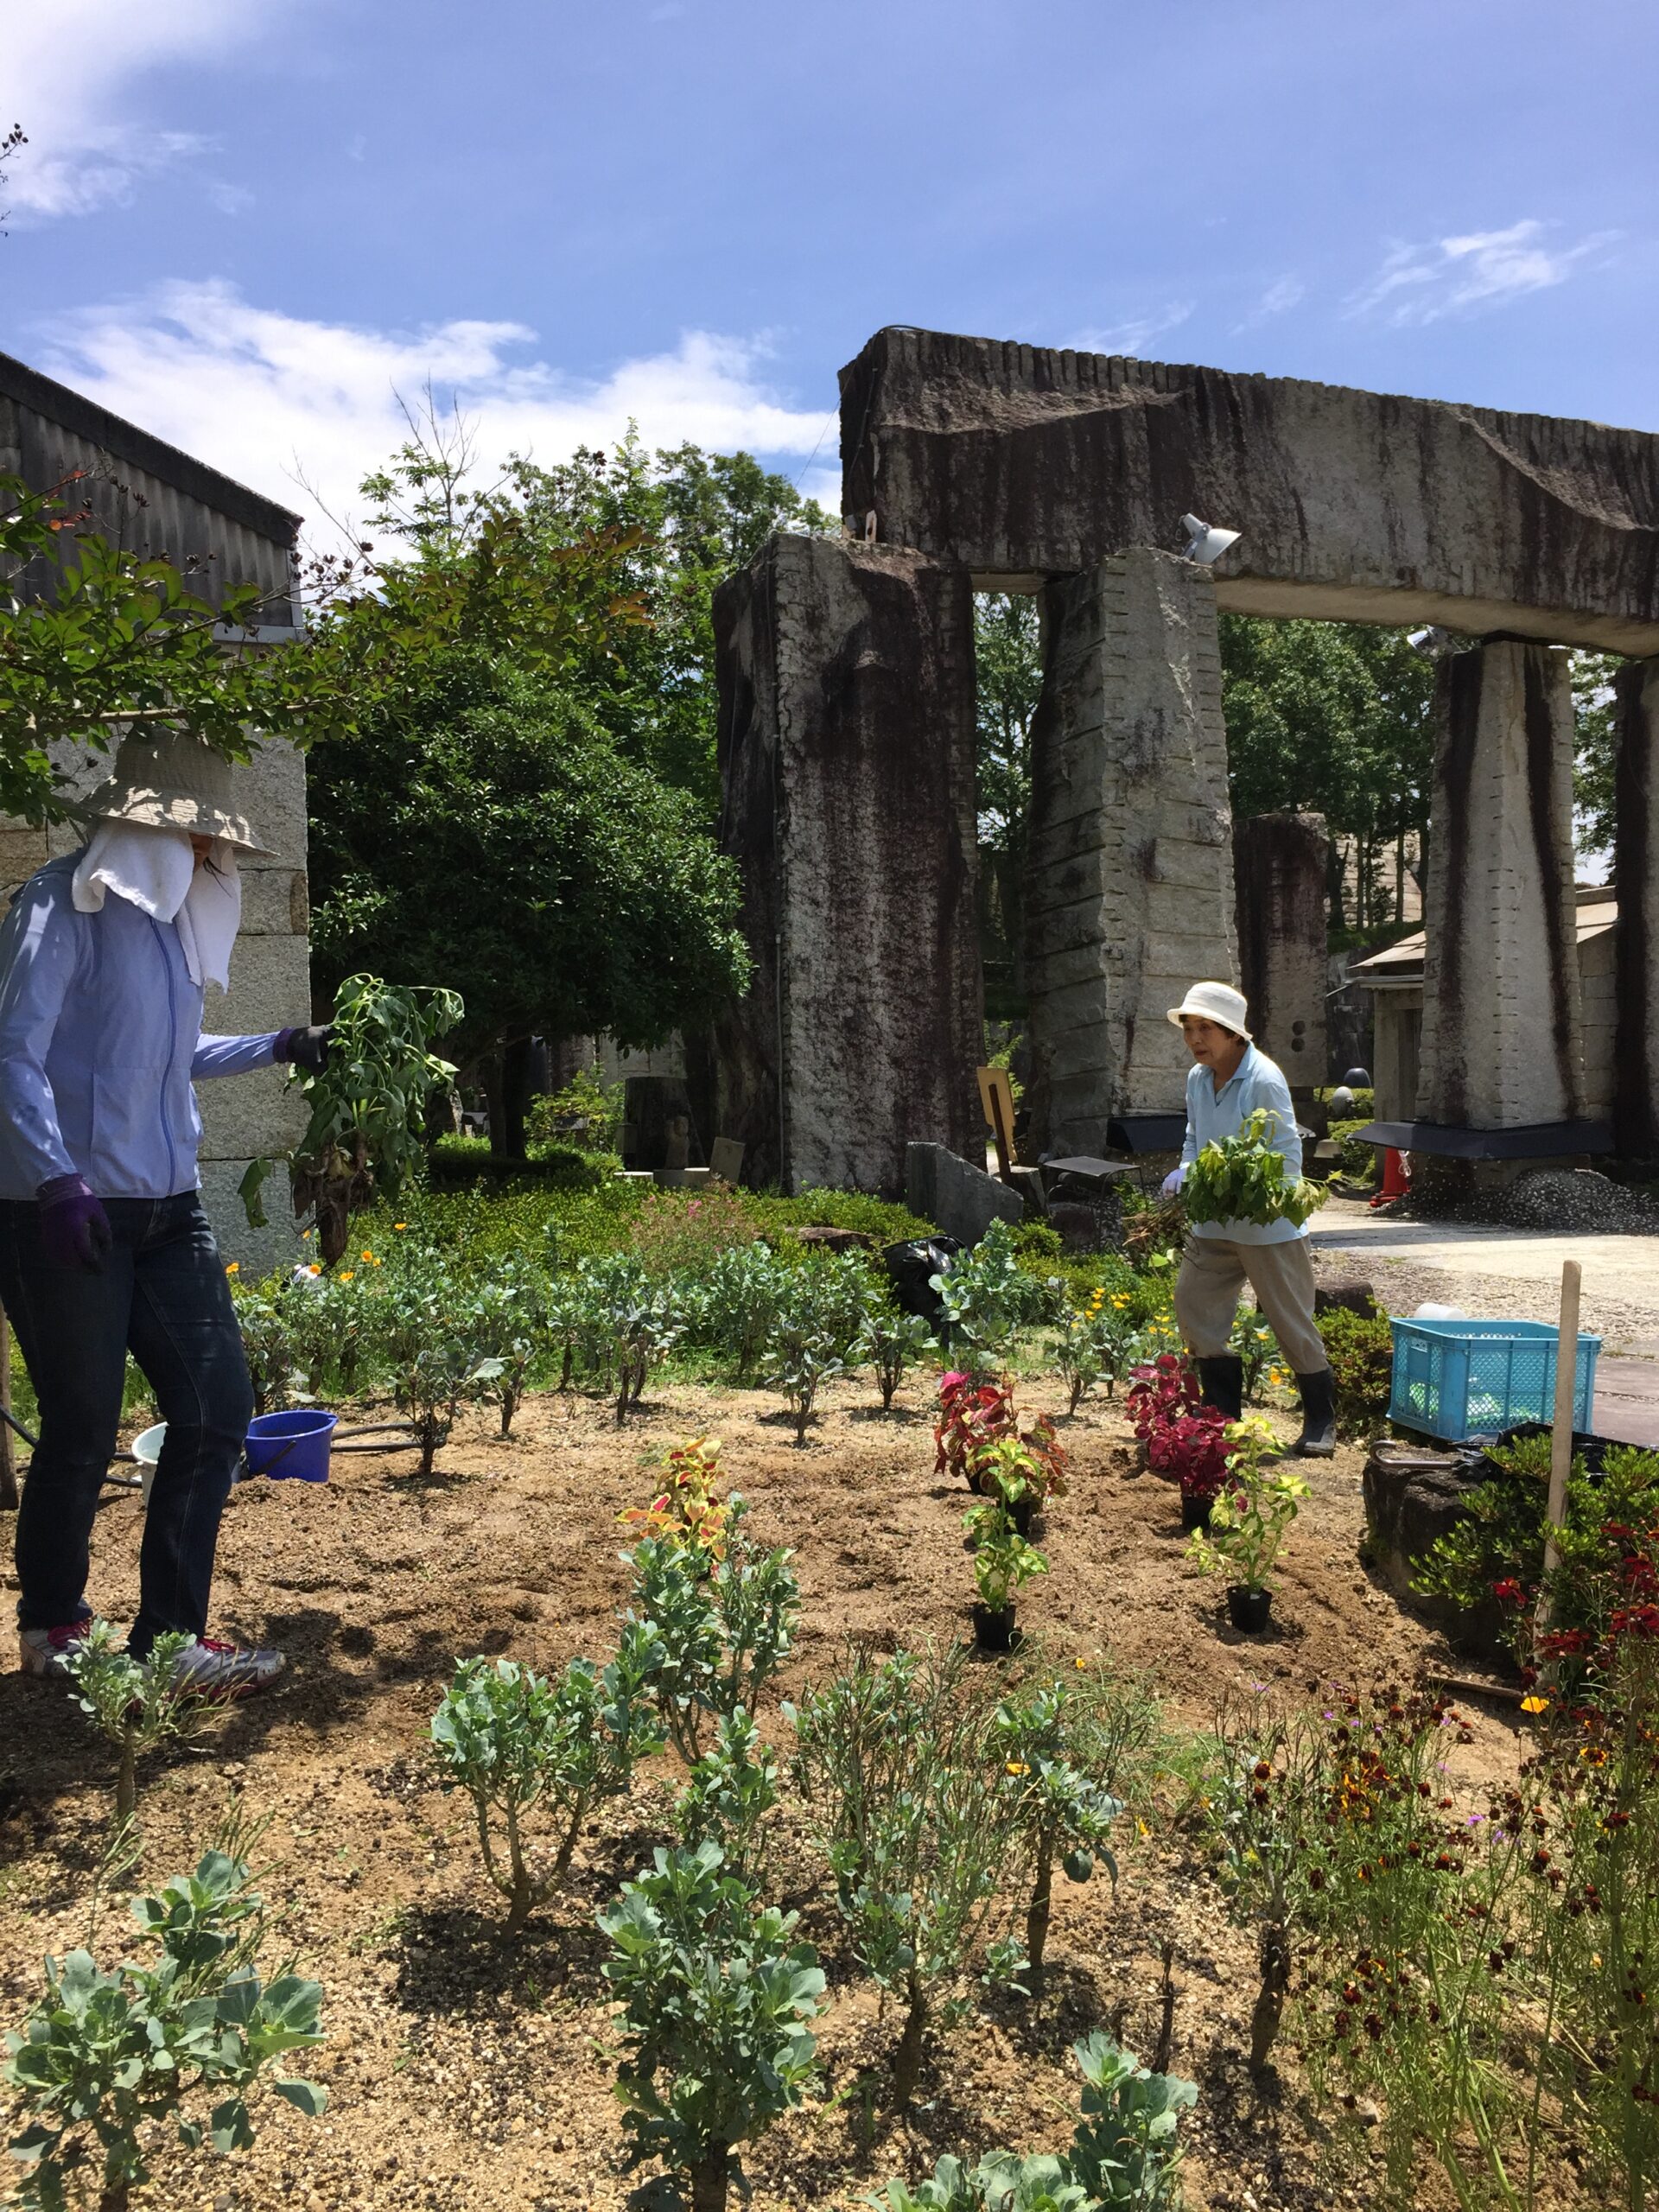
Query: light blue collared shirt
1257	1081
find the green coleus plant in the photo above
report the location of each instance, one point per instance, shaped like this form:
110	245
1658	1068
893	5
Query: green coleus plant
1253	1511
1002	1558
716	2000
105	2057
527	1749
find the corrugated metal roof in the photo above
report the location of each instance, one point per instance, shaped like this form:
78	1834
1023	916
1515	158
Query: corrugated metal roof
1598	913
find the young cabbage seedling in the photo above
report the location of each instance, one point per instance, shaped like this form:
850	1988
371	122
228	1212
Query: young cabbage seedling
139	1704
515	1741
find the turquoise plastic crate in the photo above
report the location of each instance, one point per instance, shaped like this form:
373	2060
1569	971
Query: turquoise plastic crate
1454	1379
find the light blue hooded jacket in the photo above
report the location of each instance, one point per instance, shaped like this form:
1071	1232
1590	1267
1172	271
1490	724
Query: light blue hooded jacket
100	1034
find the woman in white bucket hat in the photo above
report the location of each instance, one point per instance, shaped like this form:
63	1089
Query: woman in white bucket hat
105	959
1231	1079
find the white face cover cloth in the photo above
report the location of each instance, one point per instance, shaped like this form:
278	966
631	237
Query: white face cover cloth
155	871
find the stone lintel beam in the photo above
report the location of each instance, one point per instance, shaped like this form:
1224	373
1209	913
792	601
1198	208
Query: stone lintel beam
846	679
1023	462
1500	1039
1636	876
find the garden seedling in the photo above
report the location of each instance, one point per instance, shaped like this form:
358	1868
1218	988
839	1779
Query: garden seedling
634	1320
730	1790
891	1343
716	2000
1124	2155
1051	1760
104	2056
137	1703
1002	1558
513	1330
799	1368
514	1740
895	1757
431	1336
1253	1511
724	1626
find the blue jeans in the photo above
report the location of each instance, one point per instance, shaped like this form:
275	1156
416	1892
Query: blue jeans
164	1297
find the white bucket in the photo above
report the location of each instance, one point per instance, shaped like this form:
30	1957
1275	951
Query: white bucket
147	1450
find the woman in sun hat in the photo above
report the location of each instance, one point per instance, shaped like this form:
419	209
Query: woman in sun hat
105	958
1230	1080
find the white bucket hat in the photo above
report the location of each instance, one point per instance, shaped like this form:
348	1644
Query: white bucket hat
173	781
1217	1002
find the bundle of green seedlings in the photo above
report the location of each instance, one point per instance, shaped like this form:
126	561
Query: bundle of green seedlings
1242	1178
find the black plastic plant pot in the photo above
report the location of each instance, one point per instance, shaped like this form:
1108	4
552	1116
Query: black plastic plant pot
994	1631
1023	1515
1195	1511
1248	1609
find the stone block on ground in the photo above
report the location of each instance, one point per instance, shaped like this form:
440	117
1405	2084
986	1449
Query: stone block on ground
1414	1496
1349	1297
958	1198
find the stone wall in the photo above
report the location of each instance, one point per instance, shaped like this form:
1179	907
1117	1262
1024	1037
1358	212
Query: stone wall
846	769
247	1115
1501	1041
1129	884
1280	863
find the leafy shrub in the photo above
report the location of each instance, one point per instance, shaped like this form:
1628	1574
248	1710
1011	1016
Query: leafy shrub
514	1330
723	1626
1360	1348
514	1742
1098	1342
635	1321
1252	1512
797	1369
1124	2153
456	1162
988	1299
674	1230
715	1999
1358	1160
431	1336
894	1758
890	1342
1053	1758
104	2057
730	1791
736	1303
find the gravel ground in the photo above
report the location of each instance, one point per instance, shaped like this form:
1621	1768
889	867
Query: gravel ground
1554	1200
1626	1326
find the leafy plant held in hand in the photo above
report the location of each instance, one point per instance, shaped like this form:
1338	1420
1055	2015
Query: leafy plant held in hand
1242	1178
715	2001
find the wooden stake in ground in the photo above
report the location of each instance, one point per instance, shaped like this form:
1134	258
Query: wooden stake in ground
8	1451
1560	1448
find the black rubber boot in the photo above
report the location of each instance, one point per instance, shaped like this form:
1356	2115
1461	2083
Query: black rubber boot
1319	1438
1221	1384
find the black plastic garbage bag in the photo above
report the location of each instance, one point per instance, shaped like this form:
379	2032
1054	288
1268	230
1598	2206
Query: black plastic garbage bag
911	1267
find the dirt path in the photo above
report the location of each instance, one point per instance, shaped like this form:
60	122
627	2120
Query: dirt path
468	2073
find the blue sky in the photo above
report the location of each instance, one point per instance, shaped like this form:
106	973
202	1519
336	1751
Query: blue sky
250	228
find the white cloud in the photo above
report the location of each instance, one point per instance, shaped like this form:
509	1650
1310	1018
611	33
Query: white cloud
1135	333
277	401
68	79
1278	299
1482	269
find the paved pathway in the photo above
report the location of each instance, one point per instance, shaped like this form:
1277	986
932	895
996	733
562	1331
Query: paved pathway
1493	1272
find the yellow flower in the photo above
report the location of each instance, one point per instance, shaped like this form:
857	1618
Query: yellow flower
1018	1766
366	1254
1079	1663
400	1225
232	1267
345	1275
1535	1703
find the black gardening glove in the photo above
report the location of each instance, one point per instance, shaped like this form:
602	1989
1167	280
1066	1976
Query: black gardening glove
304	1048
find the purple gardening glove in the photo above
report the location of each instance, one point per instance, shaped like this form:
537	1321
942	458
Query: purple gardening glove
74	1228
303	1048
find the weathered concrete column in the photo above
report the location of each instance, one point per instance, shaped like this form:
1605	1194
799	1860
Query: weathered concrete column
846	677
1636	878
1129	895
1278	866
1501	1029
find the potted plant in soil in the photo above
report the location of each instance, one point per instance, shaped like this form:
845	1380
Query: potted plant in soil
1250	1520
1021	1468
1002	1560
1183	1439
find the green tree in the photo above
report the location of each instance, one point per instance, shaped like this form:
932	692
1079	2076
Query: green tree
1008	669
483	831
1597	716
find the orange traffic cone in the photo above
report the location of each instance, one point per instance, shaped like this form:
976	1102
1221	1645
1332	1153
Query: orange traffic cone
1396	1179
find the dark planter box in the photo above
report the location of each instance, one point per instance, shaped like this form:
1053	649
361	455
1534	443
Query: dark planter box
994	1631
1195	1511
1248	1610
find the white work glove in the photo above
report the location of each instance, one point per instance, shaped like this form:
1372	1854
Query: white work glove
1171	1182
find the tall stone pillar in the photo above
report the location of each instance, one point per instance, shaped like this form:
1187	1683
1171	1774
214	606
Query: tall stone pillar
1279	862
1636	878
1501	1028
1130	895
846	675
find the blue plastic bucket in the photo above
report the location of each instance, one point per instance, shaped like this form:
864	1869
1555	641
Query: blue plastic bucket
291	1444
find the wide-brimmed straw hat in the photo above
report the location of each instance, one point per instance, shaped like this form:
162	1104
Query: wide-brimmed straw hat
173	780
1217	1002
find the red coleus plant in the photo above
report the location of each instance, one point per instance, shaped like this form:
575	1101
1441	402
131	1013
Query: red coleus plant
982	1439
1186	1439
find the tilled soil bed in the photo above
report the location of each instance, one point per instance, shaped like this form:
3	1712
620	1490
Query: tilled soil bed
468	2071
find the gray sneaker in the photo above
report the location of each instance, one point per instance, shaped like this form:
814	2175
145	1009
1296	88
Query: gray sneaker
49	1651
216	1669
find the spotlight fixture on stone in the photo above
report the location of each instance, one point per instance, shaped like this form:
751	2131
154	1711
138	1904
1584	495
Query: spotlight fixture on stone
1435	643
1206	542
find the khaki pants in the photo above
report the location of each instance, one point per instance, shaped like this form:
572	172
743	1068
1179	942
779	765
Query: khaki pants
1213	1272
